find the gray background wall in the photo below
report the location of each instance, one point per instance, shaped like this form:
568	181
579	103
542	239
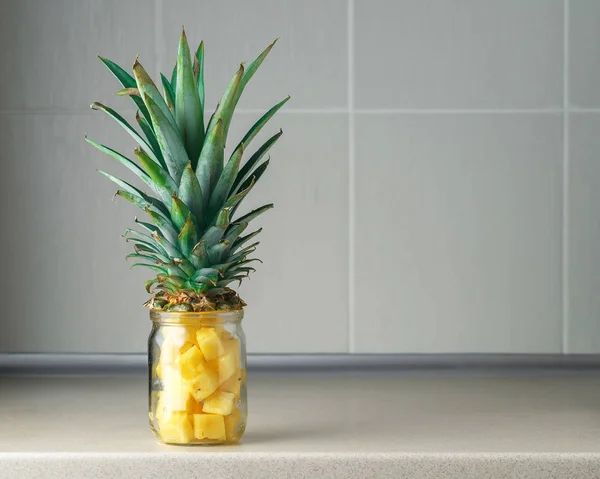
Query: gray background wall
436	189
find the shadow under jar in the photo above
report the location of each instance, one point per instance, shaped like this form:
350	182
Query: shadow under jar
197	369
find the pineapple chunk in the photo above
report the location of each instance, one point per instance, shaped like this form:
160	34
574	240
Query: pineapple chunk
221	402
209	343
209	426
176	394
232	423
179	335
227	364
176	428
204	384
160	407
168	352
158	370
224	334
191	363
233	384
195	408
187	345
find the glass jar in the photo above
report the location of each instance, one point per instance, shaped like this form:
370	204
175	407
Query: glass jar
197	369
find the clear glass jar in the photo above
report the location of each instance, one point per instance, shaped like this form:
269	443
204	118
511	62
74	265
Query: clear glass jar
197	369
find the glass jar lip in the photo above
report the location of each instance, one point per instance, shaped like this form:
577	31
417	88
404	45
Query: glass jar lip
206	317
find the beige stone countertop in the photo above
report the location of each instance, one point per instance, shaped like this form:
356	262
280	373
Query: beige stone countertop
313	426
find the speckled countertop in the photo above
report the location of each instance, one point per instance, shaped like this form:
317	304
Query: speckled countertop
316	426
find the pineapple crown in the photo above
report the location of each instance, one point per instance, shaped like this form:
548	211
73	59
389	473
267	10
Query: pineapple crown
194	240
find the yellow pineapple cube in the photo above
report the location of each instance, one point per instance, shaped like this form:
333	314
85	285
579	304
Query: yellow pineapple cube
191	362
176	428
233	384
220	402
229	362
209	426
160	407
179	335
187	345
232	423
195	407
224	334
169	351
176	394
158	370
204	384
209	343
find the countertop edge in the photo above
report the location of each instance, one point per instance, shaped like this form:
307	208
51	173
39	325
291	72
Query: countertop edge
302	465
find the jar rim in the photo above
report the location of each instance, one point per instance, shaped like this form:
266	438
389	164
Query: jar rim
205	317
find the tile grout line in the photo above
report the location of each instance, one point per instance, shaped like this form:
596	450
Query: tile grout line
351	180
333	111
565	198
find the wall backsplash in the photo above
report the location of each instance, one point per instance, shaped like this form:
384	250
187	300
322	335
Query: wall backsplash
435	188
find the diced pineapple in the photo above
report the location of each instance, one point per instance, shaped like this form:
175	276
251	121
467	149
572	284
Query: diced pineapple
158	370
204	384
220	402
231	424
209	343
229	362
191	363
233	384
169	351
195	408
176	394
160	407
187	345
179	335
223	333
176	428
209	426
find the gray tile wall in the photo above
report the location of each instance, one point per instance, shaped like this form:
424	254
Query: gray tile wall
436	188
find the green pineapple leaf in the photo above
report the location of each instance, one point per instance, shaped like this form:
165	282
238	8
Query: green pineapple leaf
191	194
210	163
187	237
254	159
188	110
149	134
255	129
126	126
169	94
224	110
199	60
126	81
169	140
226	180
148	90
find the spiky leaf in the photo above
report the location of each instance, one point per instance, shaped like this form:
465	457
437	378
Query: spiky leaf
146	127
251	70
179	213
170	143
224	110
126	126
148	89
169	94
255	129
191	194
254	159
226	180
210	163
187	237
188	110
127	81
200	76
